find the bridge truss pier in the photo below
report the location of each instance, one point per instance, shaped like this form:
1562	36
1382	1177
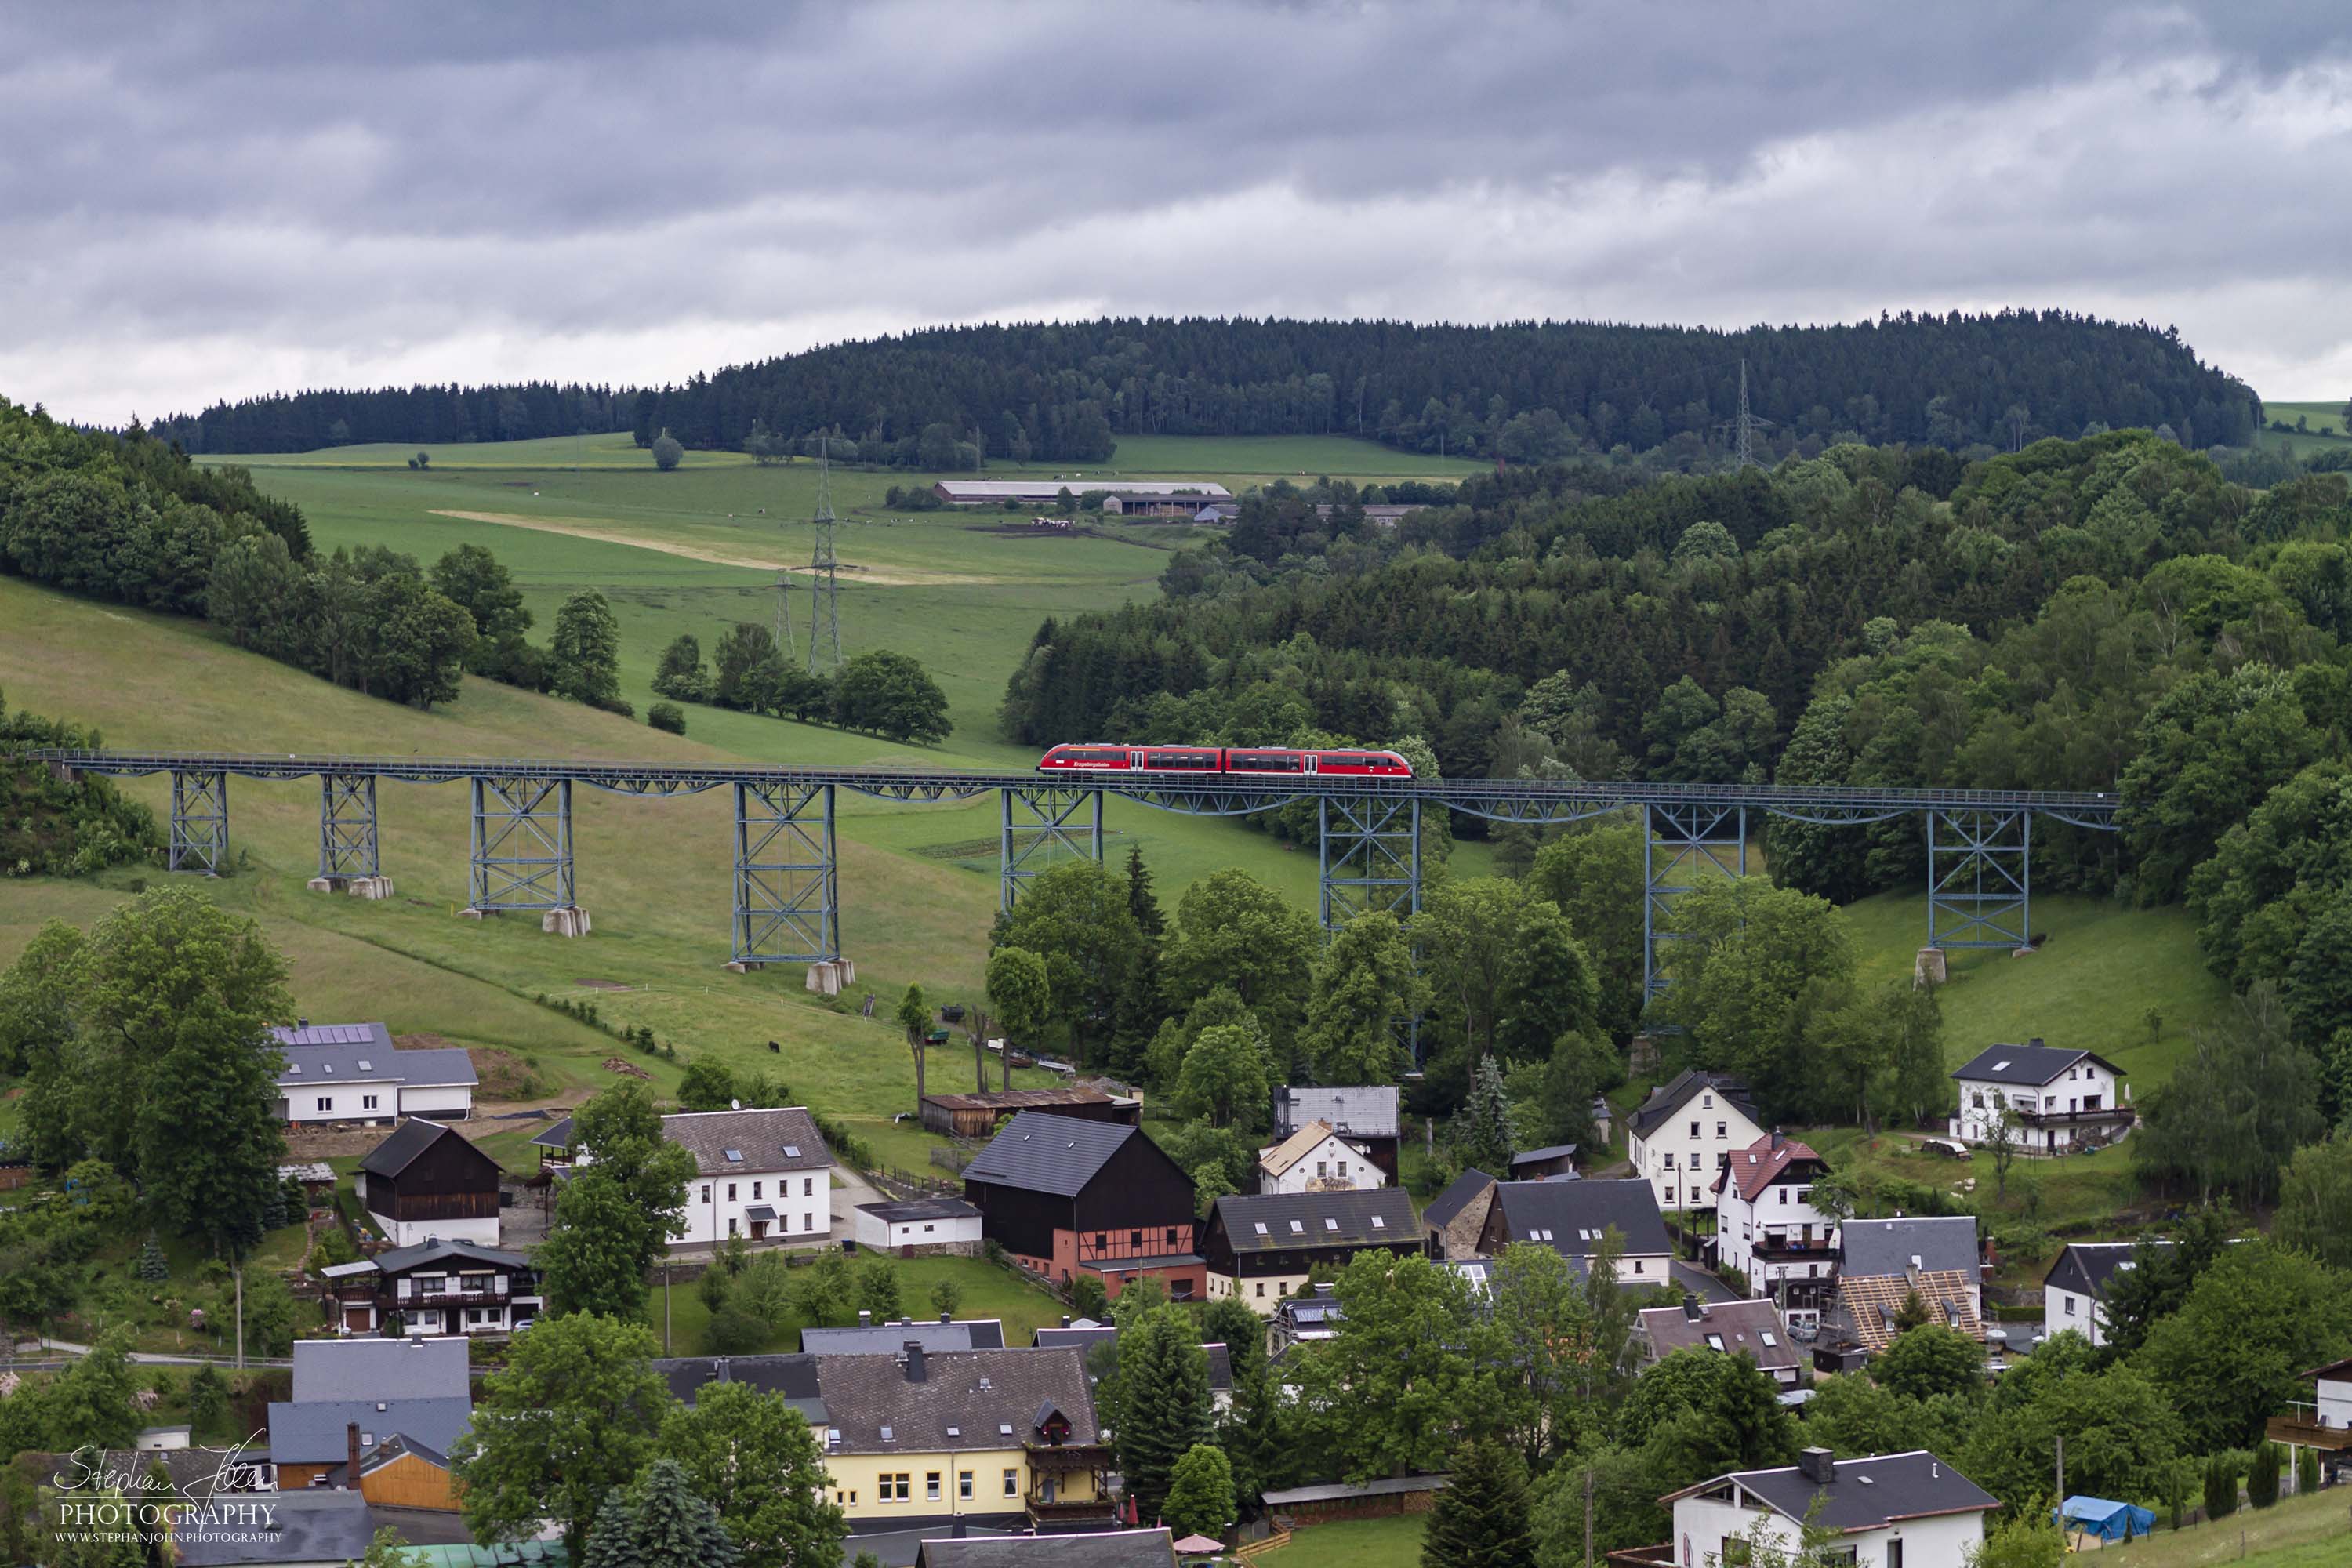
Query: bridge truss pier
199	820
1980	878
347	840
787	875
1680	840
1041	825
1371	857
522	851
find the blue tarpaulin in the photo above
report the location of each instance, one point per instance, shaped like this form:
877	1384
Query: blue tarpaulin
2108	1520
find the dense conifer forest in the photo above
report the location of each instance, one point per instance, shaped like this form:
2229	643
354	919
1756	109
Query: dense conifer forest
1526	391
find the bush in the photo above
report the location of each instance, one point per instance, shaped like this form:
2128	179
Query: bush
667	716
1088	1299
666	452
2220	1487
734	1331
2263	1477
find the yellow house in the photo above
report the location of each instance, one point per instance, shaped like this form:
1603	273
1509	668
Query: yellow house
1002	1438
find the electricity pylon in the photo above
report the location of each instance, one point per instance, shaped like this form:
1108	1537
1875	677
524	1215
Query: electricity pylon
824	581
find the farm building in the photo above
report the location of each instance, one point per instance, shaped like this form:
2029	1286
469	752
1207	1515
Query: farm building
1046	491
979	1115
427	1182
354	1072
919	1224
1069	1197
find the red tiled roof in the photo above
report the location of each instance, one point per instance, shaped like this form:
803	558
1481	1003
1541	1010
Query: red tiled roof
1752	1168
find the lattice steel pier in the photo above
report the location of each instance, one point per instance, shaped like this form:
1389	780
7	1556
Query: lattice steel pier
787	875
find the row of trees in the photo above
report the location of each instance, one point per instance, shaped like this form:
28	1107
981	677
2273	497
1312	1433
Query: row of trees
882	693
55	826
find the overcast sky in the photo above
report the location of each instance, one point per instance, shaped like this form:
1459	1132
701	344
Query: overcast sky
219	199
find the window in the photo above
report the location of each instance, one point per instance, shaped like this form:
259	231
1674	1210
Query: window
1379	1222
1322	1167
808	1186
1261	1287
1298	1228
755	1189
731	1192
1694	1129
1707	1102
730	1225
1258	1225
1670	1191
1738	1551
931	1486
1719	1132
894	1487
706	1191
1894	1553
326	1103
1013	1483
1342	1172
1171	1236
1769	1343
367	1102
964	1484
2070	1304
1784	1197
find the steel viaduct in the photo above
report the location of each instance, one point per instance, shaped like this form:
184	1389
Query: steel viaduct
787	882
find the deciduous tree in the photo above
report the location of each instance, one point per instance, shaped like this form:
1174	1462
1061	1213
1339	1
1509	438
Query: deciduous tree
756	1460
1361	986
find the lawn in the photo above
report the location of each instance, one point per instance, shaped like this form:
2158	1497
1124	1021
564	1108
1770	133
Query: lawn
1391	1542
2300	1532
989	1291
2324	428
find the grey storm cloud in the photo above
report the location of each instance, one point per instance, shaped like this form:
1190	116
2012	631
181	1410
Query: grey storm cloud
219	200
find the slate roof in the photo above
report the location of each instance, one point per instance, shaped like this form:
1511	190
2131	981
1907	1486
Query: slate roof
322	1526
316	1431
417	1368
889	1338
793	1376
455	1254
1447	1207
1042	1153
1675	1092
1297	1221
1277	1160
310	1066
2031	1064
920	1208
1888	1245
1539	1156
2086	1266
1105	1549
1865	1494
556	1137
864	1394
1736	1327
409	1140
784	1140
1569	1216
1759	1164
1366	1110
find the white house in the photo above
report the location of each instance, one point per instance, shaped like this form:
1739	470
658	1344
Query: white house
1687	1131
1752	1329
353	1072
1882	1263
926	1225
1316	1159
1767	1228
1891	1510
2334	1393
2075	1291
765	1175
2061	1099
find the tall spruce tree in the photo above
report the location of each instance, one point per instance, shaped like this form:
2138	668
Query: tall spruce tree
1480	1520
659	1523
1164	1405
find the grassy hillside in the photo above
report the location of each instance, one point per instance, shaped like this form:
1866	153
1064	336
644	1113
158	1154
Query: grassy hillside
2325	428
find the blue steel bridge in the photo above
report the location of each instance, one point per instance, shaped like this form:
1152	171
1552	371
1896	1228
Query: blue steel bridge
787	886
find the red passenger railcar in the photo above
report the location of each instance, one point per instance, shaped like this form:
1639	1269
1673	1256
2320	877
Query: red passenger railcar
1354	763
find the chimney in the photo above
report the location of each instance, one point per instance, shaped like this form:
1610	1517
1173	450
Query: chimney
1817	1466
1066	1319
1776	1140
947	1318
1690	1306
1324	1290
915	1368
2035	1042
865	1319
351	1454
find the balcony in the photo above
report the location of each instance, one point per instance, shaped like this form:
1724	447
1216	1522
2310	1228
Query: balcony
495	1297
2112	1115
2300	1427
1780	1249
1043	1514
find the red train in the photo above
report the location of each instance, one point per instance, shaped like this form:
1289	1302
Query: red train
1354	763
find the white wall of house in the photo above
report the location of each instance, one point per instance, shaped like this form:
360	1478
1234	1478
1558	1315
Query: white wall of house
1783	1209
2064	1310
716	1207
874	1231
1329	1165
2336	1402
483	1232
431	1306
1682	1156
439	1102
2086	1086
1262	1292
1702	1525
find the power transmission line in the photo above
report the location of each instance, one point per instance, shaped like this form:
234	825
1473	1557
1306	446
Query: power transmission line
1744	425
824	585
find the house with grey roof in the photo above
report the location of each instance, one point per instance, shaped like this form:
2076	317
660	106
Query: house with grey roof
380	1412
793	1377
1455	1219
427	1181
1262	1246
433	1288
1572	1217
1751	1328
1687	1131
1882	1263
1092	1549
354	1072
1066	1197
918	1226
1889	1511
1002	1438
2046	1099
888	1337
2075	1291
1365	1117
765	1175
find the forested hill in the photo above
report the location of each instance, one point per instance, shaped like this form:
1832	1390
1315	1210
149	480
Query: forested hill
1526	392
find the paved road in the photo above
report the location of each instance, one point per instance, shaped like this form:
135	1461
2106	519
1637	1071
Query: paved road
52	1348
